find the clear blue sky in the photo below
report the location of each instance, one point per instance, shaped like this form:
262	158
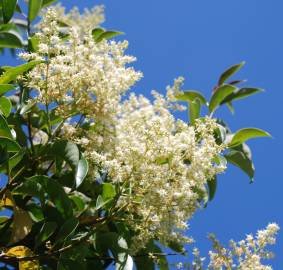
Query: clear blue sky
198	39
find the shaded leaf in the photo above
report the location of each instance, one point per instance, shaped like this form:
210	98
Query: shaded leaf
97	32
212	186
195	107
47	229
4	128
67	229
242	161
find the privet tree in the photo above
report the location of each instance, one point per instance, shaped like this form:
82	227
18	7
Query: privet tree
89	180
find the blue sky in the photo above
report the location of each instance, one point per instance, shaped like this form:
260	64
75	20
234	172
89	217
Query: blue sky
198	39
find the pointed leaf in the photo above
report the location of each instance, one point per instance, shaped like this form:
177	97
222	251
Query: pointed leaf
10	40
97	32
108	35
219	95
245	134
67	229
46	3
229	72
4	128
212	186
4	88
13	72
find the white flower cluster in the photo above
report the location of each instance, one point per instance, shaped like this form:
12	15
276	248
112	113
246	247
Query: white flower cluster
79	75
162	164
246	254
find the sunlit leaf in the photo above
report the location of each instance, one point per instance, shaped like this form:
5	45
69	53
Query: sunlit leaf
5	106
33	9
81	171
229	72
191	95
8	8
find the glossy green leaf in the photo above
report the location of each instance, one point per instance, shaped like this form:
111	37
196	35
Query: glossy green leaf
245	134
212	186
12	73
47	229
15	159
81	171
108	35
35	212
99	202
5	106
27	107
191	96
219	95
8	8
241	93
242	161
195	107
4	88
67	151
67	229
229	72
97	32
33	9
4	128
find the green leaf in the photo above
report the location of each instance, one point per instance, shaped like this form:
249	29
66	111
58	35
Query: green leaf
191	96
143	263
35	212
8	8
4	128
5	106
15	159
81	172
12	73
229	72
212	185
9	143
245	134
97	32
4	88
195	107
241	93
67	151
99	202
46	3
242	161
10	40
27	107
219	95
108	191
108	35
33	9
46	231
67	229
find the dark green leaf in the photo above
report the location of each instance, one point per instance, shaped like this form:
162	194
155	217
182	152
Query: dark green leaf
46	3
212	185
10	40
219	95
195	107
108	35
33	9
67	229
4	128
35	212
46	231
245	134
12	73
241	93
4	88
191	96
67	151
241	160
10	144
5	106
8	8
229	72
81	172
